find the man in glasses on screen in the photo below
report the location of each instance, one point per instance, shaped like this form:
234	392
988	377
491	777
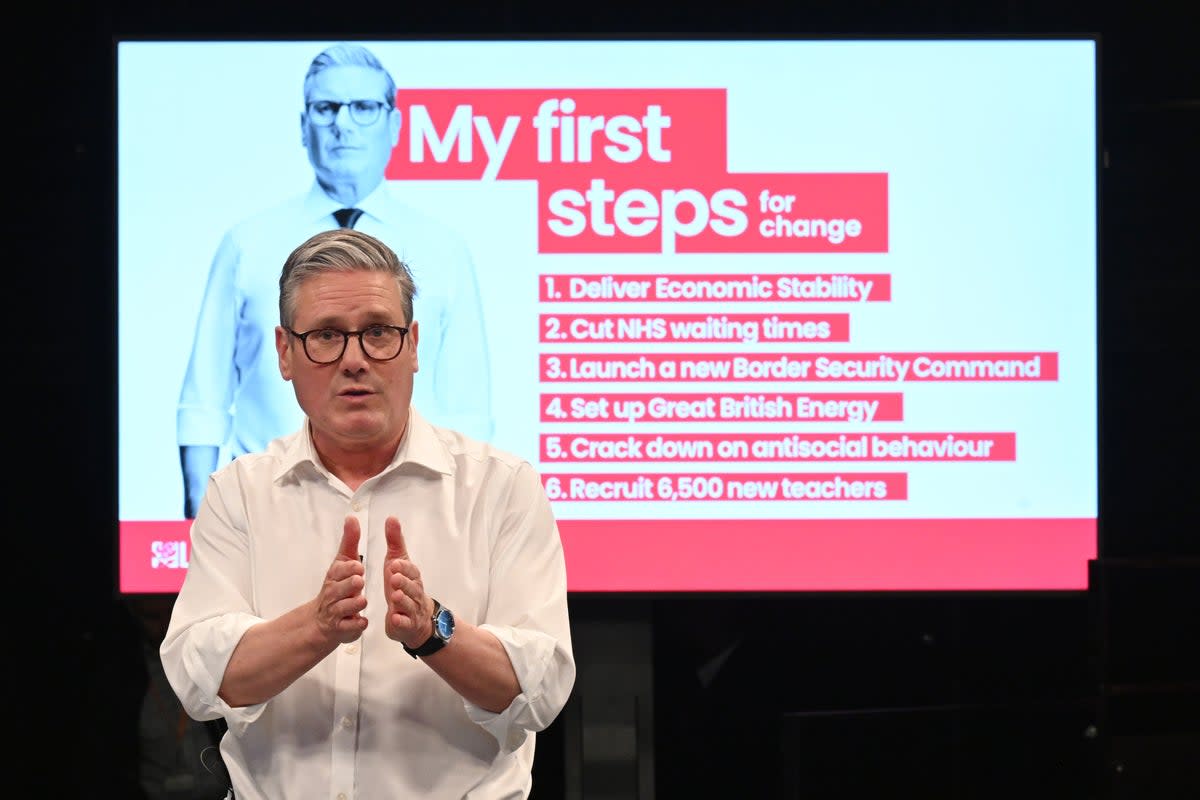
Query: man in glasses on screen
232	400
308	620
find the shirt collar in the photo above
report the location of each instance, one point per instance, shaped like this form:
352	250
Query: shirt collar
318	205
420	447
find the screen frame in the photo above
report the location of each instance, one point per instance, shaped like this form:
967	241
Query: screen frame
1099	388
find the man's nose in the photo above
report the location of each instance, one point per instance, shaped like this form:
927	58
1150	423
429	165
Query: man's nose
342	119
354	356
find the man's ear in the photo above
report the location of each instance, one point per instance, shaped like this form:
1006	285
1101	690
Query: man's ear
395	123
413	335
283	341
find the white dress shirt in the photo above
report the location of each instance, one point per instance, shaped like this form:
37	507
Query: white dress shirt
232	392
370	721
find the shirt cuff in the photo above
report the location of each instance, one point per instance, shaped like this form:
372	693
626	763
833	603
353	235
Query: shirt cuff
531	653
210	645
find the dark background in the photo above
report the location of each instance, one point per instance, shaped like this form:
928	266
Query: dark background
1085	695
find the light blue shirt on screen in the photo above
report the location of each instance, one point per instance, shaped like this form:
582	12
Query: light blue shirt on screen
233	394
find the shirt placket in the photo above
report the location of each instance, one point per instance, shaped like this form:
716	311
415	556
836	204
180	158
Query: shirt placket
346	684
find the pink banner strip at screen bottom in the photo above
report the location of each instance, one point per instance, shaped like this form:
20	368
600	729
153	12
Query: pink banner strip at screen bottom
751	555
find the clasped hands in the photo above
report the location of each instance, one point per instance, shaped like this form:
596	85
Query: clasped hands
341	601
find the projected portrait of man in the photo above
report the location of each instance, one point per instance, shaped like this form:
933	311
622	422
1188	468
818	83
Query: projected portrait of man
233	400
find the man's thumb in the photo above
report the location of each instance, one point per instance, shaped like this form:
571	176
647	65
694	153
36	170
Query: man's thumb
395	539
350	536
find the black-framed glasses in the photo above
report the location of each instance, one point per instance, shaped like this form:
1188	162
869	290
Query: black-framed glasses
327	345
362	112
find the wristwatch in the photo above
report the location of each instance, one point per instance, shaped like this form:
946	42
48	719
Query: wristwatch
443	629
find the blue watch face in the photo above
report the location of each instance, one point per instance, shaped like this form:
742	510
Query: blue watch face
443	624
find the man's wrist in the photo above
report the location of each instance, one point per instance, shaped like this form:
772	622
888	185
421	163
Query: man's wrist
441	629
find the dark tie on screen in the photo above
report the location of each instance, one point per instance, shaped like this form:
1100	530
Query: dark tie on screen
346	217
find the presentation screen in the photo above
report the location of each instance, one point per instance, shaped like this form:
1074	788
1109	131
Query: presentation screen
767	316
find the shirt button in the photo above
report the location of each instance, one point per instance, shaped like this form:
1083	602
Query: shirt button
347	722
352	649
341	796
356	506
